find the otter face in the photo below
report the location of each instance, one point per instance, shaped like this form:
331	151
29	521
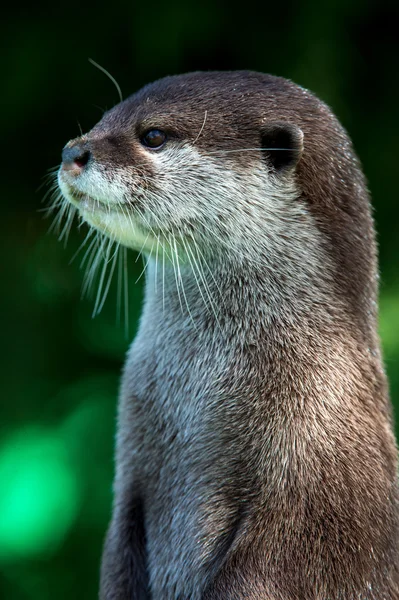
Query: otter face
198	156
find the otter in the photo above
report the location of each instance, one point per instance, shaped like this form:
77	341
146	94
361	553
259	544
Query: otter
255	450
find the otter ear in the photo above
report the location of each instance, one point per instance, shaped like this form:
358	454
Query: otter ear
283	143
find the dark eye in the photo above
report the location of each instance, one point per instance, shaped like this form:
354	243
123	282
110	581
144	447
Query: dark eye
155	138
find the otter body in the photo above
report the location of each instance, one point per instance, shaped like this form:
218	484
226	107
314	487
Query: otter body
255	452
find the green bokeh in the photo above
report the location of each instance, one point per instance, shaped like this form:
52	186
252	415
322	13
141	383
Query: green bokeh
60	367
40	494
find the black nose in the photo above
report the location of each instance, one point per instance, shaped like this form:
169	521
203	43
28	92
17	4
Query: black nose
76	156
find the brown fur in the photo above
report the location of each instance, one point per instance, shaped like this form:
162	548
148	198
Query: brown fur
255	455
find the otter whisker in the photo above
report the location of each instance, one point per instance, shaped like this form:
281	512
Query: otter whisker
180	278
145	263
113	261
174	271
56	203
202	128
140	216
250	150
156	266
50	176
142	247
203	279
126	280
63	211
163	283
134	226
126	214
67	227
93	62
82	222
102	276
92	243
94	263
164	250
56	225
153	232
119	288
53	186
193	266
51	171
202	275
210	271
200	271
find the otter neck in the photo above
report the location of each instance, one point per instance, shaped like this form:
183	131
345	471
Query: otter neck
246	296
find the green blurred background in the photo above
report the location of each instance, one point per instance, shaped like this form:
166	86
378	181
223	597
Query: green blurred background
60	368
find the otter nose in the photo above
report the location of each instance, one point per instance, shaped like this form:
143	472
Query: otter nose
75	157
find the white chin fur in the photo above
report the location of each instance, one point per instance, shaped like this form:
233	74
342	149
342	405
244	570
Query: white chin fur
120	228
109	218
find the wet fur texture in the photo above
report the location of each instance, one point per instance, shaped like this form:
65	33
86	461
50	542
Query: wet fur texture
255	453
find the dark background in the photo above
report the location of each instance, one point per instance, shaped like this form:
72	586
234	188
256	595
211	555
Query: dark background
60	368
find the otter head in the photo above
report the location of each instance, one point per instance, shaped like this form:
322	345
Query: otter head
207	157
248	169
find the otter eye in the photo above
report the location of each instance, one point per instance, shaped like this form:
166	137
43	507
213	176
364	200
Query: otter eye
155	138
